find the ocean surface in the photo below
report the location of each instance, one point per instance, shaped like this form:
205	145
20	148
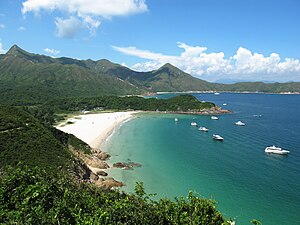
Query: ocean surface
245	182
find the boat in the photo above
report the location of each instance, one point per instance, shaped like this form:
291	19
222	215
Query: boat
224	104
217	137
203	129
276	150
214	118
240	123
217	93
176	120
193	124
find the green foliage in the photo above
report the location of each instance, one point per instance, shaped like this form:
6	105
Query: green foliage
24	139
182	103
32	196
28	78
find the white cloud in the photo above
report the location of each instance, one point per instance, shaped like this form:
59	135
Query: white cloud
21	28
89	12
2	51
52	51
213	66
2	26
68	28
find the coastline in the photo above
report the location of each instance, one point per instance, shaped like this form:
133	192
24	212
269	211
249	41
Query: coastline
211	92
94	129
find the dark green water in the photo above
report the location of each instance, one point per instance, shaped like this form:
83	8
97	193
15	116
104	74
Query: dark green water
246	182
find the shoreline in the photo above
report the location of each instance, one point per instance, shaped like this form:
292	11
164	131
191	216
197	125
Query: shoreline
95	128
233	92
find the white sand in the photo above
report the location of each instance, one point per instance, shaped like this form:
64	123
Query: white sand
94	128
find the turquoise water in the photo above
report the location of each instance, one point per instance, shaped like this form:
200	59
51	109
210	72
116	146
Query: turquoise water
245	182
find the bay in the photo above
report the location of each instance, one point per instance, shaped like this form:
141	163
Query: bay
245	182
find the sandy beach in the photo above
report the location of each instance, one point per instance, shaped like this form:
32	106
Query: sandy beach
94	128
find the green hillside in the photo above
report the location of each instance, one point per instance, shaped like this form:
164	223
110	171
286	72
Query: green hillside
27	78
36	78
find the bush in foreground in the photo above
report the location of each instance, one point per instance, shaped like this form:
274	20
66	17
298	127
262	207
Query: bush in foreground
32	196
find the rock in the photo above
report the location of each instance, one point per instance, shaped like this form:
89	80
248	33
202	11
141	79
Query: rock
94	176
120	165
133	164
103	155
111	182
96	163
126	166
101	173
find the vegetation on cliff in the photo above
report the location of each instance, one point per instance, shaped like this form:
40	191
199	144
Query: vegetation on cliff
32	196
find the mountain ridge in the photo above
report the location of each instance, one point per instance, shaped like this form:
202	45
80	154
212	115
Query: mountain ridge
24	73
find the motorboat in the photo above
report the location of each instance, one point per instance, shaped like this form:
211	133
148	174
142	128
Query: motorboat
203	129
214	118
276	150
193	124
217	137
240	123
217	93
176	120
224	104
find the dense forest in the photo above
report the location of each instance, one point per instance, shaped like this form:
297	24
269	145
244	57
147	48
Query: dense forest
176	104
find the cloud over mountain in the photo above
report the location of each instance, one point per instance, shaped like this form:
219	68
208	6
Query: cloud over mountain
52	51
213	66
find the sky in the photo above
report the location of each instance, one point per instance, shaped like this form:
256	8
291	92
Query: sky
215	40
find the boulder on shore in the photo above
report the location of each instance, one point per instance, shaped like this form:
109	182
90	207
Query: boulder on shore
126	166
101	173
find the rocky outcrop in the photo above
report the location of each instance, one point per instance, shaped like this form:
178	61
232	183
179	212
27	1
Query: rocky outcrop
101	173
126	166
95	162
108	183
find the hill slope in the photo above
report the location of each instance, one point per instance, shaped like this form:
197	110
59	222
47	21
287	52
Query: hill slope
32	78
38	77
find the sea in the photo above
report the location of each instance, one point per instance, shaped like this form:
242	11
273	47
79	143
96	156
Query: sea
244	181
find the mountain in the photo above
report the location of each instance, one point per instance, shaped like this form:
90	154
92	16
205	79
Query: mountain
32	78
166	78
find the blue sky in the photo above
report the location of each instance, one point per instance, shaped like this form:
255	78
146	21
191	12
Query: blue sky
226	40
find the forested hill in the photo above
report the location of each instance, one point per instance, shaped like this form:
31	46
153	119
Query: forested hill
35	78
31	78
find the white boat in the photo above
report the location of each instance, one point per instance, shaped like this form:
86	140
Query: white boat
224	103
217	137
217	93
240	123
276	150
193	124
214	118
203	129
176	120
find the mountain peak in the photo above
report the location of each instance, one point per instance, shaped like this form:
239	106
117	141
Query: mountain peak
169	66
171	69
14	49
